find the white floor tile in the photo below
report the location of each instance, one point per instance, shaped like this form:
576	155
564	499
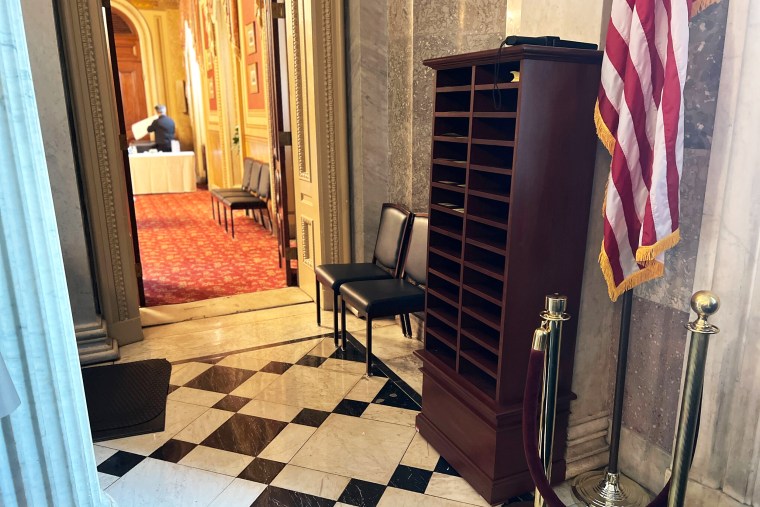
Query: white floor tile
157	483
240	493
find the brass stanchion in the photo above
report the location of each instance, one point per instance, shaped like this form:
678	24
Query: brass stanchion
704	304
553	316
548	338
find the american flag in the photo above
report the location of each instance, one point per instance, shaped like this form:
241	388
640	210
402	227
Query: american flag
639	119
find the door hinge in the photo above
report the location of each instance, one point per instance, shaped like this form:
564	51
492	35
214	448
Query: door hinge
278	10
285	138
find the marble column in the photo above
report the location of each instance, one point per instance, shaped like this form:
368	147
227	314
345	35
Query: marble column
46	453
725	470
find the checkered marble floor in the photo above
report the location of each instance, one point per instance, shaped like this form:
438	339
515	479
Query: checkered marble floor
291	424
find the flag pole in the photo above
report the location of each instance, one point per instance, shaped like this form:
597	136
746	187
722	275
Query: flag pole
609	488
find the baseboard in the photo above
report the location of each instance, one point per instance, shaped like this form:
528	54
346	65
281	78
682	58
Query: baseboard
94	345
587	446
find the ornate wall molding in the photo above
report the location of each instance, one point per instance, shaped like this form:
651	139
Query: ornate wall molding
103	165
297	99
329	137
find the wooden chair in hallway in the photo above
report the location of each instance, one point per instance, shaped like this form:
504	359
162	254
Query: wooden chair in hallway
397	296
389	249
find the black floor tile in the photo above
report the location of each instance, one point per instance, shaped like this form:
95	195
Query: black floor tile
410	478
220	379
393	396
362	493
352	353
351	407
311	417
231	403
244	434
443	467
172	389
276	367
273	496
527	497
262	471
120	463
315	361
173	450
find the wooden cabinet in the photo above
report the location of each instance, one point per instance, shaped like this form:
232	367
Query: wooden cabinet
510	192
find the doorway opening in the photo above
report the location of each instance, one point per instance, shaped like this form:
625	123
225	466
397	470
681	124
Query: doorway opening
227	96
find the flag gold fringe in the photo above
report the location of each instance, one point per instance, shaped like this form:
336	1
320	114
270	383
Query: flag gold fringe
652	270
605	136
647	254
700	5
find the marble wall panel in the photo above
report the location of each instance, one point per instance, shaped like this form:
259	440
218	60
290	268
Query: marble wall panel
51	104
655	360
598	321
367	35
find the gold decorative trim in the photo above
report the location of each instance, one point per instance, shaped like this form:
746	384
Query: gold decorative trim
307	238
303	173
330	145
99	133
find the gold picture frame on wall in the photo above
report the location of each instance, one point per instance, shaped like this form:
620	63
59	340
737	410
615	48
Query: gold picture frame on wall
250	38
253	78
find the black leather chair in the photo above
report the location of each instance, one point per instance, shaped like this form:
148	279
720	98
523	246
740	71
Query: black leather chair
250	202
389	249
248	186
396	296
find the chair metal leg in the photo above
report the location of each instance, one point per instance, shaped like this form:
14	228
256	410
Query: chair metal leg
218	214
319	308
213	217
408	325
369	346
225	219
402	321
232	221
335	317
343	322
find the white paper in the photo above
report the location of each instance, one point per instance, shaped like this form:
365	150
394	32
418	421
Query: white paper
140	129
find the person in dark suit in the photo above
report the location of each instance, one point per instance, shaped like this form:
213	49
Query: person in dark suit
163	127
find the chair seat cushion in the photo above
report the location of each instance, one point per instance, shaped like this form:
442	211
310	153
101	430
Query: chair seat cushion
243	202
383	298
221	193
336	275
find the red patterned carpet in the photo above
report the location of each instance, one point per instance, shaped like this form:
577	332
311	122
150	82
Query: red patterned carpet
186	256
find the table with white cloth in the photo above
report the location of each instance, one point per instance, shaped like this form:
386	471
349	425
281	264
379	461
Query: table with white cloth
162	172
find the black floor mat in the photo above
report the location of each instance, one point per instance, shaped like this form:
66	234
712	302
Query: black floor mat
127	399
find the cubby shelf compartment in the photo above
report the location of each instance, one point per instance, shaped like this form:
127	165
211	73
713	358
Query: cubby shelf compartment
480	339
474	375
451	139
482	359
450	162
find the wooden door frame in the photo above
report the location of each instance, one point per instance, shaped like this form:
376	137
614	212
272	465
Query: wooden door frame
320	138
316	68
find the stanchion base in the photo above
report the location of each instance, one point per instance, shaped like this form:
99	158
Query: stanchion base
603	489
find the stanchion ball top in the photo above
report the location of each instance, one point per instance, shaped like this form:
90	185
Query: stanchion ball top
705	303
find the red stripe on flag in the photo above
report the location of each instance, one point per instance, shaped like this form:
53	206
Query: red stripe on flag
620	56
612	252
671	113
609	115
646	14
621	178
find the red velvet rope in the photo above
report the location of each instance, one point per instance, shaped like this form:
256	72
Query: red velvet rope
530	435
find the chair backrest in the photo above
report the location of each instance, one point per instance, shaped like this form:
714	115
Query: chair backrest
391	236
255	175
264	188
415	264
247	168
